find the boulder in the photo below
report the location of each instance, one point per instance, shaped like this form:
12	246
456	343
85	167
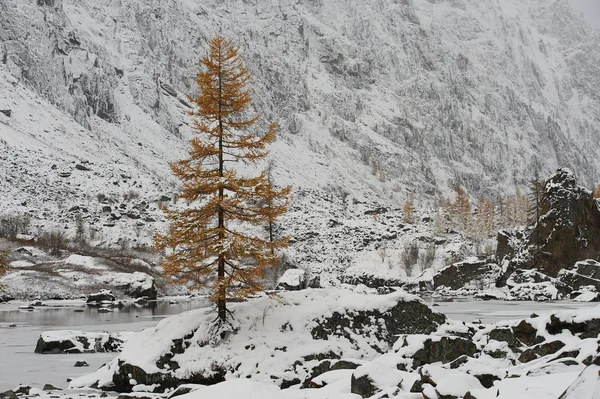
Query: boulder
102	296
520	276
472	270
586	385
363	386
537	351
406	317
589	328
79	342
8	395
583	274
292	280
444	349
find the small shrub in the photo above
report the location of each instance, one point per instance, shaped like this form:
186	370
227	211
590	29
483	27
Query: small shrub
13	225
131	195
410	257
53	241
427	257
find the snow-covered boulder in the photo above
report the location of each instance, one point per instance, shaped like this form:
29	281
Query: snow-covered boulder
545	291
586	385
70	341
101	296
584	273
277	340
292	280
473	271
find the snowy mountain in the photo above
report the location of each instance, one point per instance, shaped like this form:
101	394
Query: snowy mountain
374	99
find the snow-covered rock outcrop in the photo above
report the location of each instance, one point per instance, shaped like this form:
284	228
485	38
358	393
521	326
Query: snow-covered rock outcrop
279	340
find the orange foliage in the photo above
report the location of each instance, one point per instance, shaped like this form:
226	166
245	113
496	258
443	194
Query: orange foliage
207	244
408	211
3	263
597	193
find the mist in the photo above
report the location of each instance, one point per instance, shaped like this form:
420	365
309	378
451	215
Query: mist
590	10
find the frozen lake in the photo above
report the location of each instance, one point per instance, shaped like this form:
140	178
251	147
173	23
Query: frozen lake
18	363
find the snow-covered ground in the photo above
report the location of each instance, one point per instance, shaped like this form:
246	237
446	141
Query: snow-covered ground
18	363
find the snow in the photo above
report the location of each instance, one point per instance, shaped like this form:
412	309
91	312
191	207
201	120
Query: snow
293	278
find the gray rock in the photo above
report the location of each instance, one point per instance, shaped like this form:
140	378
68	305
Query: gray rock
459	274
363	386
446	350
101	296
406	317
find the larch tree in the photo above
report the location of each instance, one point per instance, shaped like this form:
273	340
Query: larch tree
597	192
462	209
215	242
408	211
3	263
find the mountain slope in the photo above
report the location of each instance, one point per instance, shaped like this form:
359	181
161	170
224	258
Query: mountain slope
375	99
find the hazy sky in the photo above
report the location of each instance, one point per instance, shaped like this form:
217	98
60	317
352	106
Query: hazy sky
590	9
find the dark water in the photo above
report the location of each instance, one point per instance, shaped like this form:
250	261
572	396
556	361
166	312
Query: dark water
63	313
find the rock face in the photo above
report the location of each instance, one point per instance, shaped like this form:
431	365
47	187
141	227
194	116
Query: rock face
567	232
470	271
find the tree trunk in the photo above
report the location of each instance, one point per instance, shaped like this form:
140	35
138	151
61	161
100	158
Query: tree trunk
222	294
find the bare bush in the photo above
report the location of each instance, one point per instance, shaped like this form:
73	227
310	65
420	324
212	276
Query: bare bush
427	257
13	225
53	241
410	257
131	195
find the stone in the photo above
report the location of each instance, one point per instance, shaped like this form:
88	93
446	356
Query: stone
102	296
78	342
406	317
82	167
445	350
292	280
81	363
363	386
460	274
8	395
586	329
541	350
526	334
6	111
22	390
50	387
583	274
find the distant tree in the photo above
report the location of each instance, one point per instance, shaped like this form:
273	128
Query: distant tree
485	217
3	262
210	244
462	209
79	230
408	211
597	192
